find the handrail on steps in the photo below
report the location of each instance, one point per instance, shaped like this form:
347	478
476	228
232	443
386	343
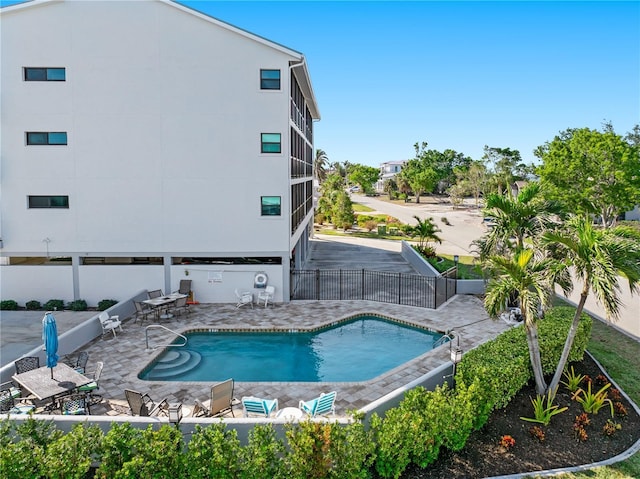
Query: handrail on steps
155	326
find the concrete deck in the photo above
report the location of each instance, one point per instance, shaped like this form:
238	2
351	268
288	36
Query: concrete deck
125	355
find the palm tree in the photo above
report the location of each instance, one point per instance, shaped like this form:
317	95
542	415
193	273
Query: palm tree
320	163
516	218
598	256
426	231
532	279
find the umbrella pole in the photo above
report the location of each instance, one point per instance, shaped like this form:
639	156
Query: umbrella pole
51	373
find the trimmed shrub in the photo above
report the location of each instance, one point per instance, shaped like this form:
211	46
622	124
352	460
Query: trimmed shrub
160	455
213	452
503	365
54	305
327	450
106	304
8	305
71	455
77	305
33	305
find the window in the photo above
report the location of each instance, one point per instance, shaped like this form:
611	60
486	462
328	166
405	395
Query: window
271	143
269	79
44	74
46	138
48	202
270	205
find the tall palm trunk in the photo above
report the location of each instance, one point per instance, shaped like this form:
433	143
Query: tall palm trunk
568	344
531	328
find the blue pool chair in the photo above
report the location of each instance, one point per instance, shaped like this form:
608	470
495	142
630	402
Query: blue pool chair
254	405
324	404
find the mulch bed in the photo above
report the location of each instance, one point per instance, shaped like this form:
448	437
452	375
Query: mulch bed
484	457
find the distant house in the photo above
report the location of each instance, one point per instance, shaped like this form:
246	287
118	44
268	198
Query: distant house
633	215
388	170
517	186
144	142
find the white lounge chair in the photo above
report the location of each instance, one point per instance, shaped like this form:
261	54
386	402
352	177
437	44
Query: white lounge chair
266	295
324	404
262	407
109	323
244	297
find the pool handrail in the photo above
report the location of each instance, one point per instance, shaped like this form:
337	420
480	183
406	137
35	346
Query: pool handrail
156	326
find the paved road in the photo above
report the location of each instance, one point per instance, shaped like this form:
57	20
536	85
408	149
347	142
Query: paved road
467	226
466	222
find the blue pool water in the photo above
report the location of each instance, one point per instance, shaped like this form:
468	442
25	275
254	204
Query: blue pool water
355	350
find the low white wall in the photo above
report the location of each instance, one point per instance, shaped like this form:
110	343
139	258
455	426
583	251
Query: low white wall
80	335
98	282
471	286
242	425
421	265
210	284
24	283
216	284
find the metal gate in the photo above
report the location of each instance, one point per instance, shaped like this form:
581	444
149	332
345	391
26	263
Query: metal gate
382	286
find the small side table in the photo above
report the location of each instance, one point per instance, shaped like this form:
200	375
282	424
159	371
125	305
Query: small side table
290	413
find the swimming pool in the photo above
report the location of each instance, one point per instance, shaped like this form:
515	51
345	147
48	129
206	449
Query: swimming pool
354	350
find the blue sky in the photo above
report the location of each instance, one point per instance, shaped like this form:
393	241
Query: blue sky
458	75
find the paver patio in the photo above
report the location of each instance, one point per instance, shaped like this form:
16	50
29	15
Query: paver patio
125	355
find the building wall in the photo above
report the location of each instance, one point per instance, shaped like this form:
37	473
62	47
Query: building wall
163	112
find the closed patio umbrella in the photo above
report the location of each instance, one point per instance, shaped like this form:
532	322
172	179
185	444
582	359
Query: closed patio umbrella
50	339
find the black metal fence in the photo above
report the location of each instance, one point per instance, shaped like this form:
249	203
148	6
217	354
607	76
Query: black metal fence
361	284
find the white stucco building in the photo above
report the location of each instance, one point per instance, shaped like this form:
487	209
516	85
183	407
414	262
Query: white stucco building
143	143
388	170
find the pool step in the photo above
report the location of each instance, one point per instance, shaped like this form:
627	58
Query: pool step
175	364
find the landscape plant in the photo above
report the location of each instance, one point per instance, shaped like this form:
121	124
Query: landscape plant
427	232
213	452
592	402
54	305
597	257
77	305
531	279
105	304
573	380
544	409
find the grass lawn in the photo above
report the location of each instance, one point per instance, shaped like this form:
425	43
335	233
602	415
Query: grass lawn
619	355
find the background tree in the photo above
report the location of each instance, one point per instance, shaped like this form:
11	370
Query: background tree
503	162
473	178
420	178
456	194
592	172
390	187
342	211
320	165
363	176
597	256
329	190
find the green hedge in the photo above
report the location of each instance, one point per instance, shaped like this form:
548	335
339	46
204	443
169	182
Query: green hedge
504	362
414	432
36	448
